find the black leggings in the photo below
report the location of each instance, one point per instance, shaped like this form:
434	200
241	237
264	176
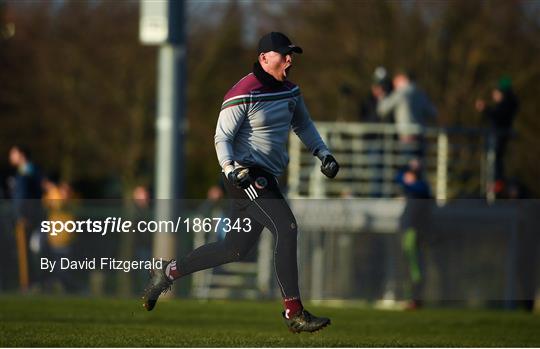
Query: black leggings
265	206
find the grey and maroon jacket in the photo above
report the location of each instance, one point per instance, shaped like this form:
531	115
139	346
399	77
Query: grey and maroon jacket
256	116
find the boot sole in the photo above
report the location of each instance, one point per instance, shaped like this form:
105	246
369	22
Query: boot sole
295	331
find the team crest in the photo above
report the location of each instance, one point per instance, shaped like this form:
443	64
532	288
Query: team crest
261	183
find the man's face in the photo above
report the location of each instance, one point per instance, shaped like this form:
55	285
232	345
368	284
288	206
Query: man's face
276	64
377	91
400	81
497	95
15	157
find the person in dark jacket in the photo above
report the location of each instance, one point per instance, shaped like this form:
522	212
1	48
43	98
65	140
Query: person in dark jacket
26	184
501	114
373	142
414	225
381	86
26	193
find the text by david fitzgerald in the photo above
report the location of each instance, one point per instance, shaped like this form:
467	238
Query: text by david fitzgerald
104	263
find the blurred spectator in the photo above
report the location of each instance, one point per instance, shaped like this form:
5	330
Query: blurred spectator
7	241
215	193
56	200
139	245
501	114
26	193
52	197
213	206
414	226
141	197
411	107
26	184
381	86
412	182
66	190
142	211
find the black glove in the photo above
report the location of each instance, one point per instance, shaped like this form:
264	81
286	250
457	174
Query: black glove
239	177
329	166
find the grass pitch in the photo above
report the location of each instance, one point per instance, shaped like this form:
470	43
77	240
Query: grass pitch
75	322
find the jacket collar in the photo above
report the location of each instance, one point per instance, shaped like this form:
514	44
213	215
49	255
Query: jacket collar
265	78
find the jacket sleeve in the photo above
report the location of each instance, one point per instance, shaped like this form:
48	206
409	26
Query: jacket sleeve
229	121
388	103
305	129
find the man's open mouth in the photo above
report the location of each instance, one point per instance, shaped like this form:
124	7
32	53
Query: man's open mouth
287	70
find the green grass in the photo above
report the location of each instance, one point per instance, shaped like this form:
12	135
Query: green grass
74	322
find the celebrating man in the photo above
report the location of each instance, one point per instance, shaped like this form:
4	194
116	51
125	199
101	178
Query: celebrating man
251	136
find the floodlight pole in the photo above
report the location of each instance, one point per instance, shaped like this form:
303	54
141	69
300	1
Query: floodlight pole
169	174
162	23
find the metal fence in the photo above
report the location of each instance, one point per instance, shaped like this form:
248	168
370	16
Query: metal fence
459	162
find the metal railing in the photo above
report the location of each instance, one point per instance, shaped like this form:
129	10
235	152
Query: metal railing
458	162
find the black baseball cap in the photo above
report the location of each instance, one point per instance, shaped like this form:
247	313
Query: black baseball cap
277	42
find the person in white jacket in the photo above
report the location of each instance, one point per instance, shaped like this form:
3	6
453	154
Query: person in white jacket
411	107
